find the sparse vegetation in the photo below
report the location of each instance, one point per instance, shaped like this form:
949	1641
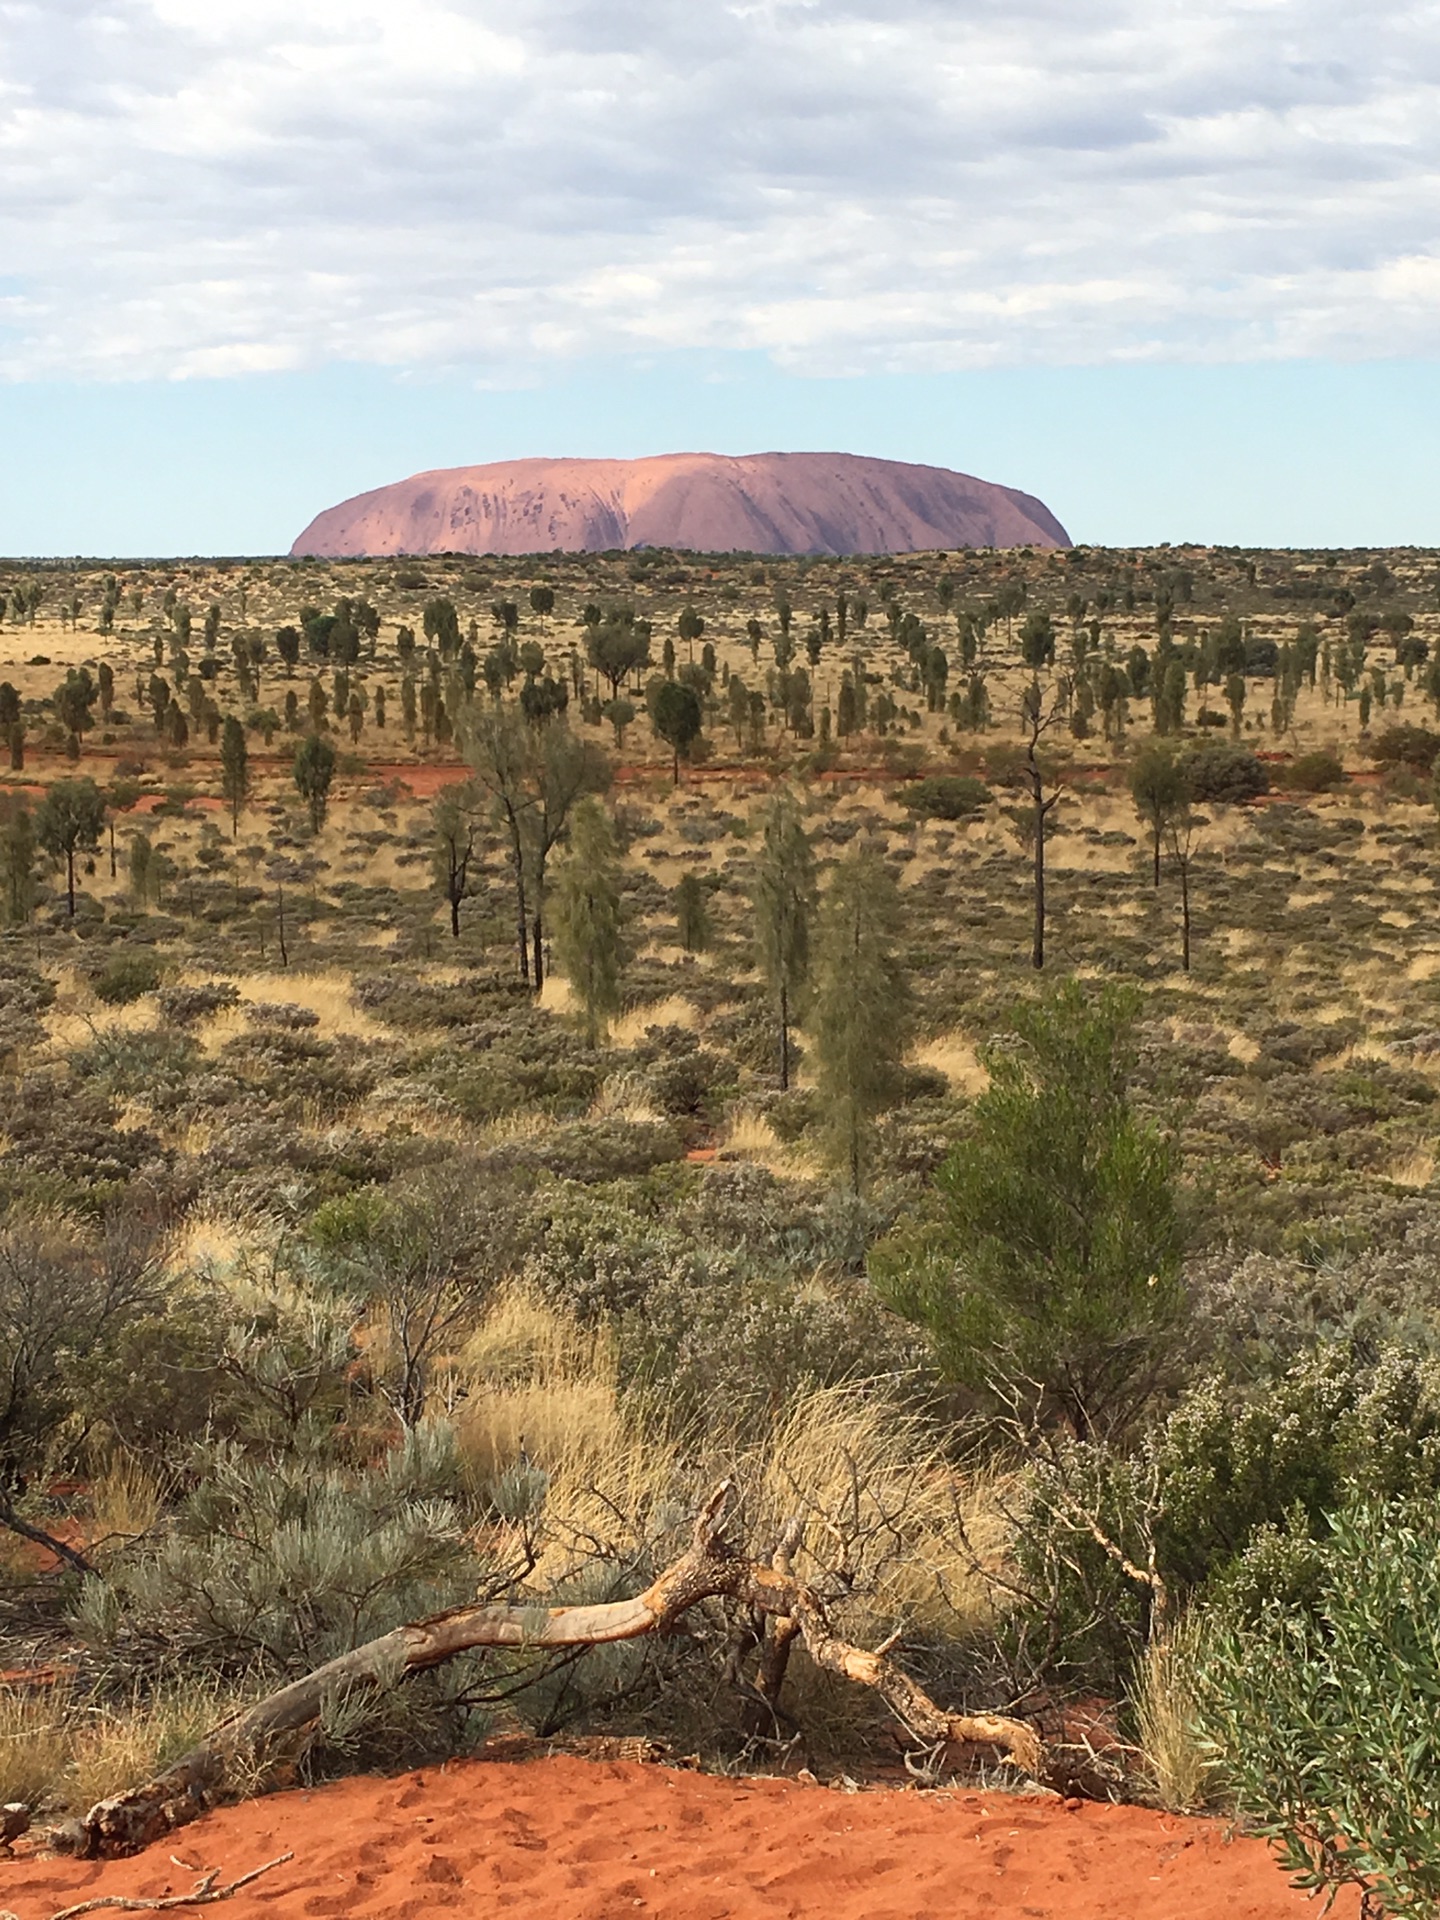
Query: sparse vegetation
353	1262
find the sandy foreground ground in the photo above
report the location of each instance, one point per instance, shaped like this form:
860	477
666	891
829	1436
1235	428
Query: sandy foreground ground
573	1839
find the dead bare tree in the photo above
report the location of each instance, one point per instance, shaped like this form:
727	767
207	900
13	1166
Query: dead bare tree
1181	832
1040	778
711	1568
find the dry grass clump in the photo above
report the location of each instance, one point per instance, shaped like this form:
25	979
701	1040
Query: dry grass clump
1180	1766
544	1397
125	1503
883	1510
116	1748
326	994
886	1519
953	1055
35	1742
211	1241
555	995
674	1011
748	1135
624	1096
1414	1170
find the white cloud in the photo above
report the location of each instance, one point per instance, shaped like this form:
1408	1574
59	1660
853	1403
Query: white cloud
201	187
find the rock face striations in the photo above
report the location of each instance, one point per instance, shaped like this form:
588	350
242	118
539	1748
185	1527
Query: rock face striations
762	503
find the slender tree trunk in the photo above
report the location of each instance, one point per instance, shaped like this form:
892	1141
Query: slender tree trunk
1184	866
517	860
1037	950
112	849
537	950
280	923
454	914
1157	851
784	1038
70	880
38	1537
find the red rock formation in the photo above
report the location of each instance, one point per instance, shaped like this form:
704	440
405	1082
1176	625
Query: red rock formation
762	503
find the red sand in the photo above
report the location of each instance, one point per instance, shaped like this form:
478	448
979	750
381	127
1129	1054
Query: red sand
573	1839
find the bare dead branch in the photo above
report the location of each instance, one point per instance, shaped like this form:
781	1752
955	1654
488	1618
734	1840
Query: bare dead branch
710	1568
204	1894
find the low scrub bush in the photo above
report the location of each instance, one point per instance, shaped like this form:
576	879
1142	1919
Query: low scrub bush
1405	745
126	977
945	796
1313	773
279	1564
1226	1469
1322	1715
1221	773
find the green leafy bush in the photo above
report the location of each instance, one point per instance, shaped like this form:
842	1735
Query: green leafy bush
1324	1717
126	977
1313	773
1405	745
1222	774
1051	1265
946	796
1232	1494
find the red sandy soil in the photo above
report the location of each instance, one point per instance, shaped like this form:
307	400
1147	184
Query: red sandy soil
565	1838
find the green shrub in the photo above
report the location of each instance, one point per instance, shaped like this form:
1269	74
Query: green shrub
126	977
1050	1265
946	796
283	1562
1313	773
1220	773
1233	1493
1324	1718
1405	745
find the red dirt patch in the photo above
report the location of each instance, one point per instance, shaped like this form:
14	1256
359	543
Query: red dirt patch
573	1839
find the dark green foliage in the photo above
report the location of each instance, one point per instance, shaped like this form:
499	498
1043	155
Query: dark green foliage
313	772
692	914
69	821
1051	1270
1222	774
1405	746
676	715
586	917
126	977
234	768
1323	1715
945	796
1160	788
862	1005
1319	772
784	903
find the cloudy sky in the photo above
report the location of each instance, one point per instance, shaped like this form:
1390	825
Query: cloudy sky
1174	265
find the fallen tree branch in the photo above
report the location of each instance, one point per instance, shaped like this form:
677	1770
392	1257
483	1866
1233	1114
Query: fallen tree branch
37	1536
709	1568
204	1894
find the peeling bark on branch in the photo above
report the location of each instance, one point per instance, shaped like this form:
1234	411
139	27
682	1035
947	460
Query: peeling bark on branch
710	1568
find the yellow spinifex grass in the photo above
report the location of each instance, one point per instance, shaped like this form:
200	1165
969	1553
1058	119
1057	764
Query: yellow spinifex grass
876	1494
544	1393
124	1503
116	1748
1180	1767
35	1743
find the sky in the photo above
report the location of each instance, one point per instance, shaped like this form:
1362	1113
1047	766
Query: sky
1174	267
